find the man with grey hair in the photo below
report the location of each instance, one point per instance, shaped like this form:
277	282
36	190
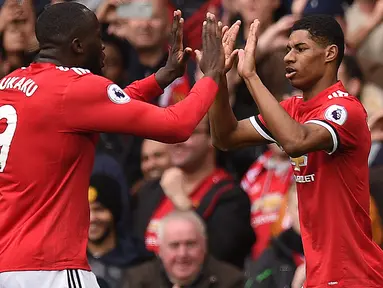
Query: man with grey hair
183	258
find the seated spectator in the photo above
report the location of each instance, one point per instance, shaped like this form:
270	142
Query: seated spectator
267	182
107	253
276	267
115	62
17	35
204	187
183	260
149	37
155	160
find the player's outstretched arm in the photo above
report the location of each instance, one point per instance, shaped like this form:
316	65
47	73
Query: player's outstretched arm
152	86
110	109
295	138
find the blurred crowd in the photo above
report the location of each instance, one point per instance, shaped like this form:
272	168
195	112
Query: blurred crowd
187	215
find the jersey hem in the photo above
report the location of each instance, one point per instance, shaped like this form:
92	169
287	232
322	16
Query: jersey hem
57	268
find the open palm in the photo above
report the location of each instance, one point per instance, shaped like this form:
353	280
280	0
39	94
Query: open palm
228	43
246	63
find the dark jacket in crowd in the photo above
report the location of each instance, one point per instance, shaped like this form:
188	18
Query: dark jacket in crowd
214	274
275	268
230	235
109	267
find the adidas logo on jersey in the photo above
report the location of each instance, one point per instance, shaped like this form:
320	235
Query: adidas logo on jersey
79	71
337	94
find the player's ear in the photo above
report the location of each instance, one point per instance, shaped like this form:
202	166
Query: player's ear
331	53
77	46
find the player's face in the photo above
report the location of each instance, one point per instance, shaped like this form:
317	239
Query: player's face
94	49
101	222
305	60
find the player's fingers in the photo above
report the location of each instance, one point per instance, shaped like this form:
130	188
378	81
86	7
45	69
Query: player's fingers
225	34
249	38
232	57
219	27
255	30
186	55
210	24
241	56
179	39
198	56
234	33
204	36
175	26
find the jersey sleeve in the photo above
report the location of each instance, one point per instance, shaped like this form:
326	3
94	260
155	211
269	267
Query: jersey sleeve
94	104
145	89
260	125
345	119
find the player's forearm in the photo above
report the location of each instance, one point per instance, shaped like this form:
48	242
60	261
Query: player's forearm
285	130
221	118
144	90
176	123
165	77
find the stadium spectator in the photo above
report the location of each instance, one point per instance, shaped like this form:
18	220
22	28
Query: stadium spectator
365	37
107	253
209	190
276	266
155	159
184	259
267	182
115	62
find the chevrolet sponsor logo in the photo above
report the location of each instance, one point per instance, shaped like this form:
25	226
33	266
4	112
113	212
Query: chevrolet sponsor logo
299	162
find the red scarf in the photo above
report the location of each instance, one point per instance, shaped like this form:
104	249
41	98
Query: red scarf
166	206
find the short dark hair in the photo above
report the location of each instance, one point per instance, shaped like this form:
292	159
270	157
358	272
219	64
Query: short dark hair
324	30
59	22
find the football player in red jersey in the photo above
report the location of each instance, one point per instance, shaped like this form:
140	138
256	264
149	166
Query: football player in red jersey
325	133
51	113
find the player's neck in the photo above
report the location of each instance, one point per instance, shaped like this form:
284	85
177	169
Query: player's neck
51	55
100	249
320	86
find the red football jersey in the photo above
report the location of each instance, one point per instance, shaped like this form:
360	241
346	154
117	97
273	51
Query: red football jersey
333	193
49	119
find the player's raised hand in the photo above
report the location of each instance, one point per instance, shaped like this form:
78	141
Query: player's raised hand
246	63
212	60
229	36
228	42
178	56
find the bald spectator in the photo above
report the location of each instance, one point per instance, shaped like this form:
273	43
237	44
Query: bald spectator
183	259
